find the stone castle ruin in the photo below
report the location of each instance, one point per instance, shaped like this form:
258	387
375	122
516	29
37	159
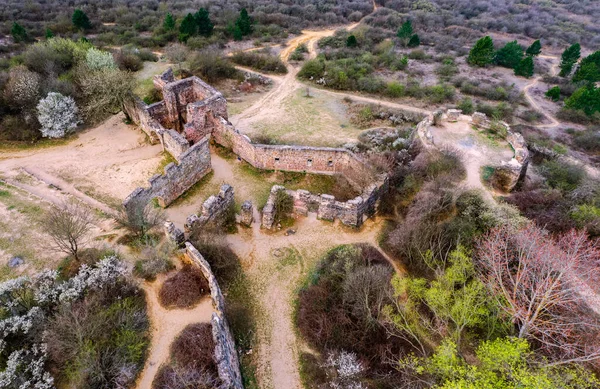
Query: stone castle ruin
193	112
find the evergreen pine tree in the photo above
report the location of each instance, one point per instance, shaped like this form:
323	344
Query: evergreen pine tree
237	33
19	33
169	23
482	53
81	20
525	67
49	34
187	28
535	49
244	22
405	31
205	25
569	58
553	93
414	41
351	41
589	69
510	55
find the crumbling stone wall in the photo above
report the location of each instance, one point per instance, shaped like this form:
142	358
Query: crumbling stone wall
214	209
351	213
177	178
197	110
226	357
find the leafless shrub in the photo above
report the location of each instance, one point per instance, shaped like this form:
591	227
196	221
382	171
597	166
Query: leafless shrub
69	226
194	348
183	289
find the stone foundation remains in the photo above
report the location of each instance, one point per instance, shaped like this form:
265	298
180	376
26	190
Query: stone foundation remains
214	209
508	174
192	111
226	357
350	213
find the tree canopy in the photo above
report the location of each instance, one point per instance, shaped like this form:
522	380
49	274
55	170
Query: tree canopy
205	25
525	67
81	20
19	33
589	69
406	30
414	41
169	23
244	23
510	55
535	48
569	58
482	53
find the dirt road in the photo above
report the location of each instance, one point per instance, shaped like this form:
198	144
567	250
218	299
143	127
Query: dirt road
526	90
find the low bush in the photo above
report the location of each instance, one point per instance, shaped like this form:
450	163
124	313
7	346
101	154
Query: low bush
588	140
153	261
263	62
183	289
194	348
562	176
211	66
214	248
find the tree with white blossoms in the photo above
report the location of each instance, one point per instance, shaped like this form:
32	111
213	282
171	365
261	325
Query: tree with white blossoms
97	59
26	304
344	370
58	115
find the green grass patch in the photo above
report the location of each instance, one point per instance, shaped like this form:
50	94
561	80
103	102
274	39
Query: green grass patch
166	159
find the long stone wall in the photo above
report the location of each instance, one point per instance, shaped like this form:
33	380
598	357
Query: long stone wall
226	357
177	178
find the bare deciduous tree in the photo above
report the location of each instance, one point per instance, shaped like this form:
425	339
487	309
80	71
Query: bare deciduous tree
540	282
69	225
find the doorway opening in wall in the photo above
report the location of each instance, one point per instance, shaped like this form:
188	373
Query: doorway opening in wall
309	162
330	163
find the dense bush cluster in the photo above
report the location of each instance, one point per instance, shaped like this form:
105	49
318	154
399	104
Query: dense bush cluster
90	330
184	289
338	313
263	62
59	84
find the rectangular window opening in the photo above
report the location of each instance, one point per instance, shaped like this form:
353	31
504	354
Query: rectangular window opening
330	163
309	162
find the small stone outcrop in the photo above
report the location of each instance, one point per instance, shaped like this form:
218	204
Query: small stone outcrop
268	212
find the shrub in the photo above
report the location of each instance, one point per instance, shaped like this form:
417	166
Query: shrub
97	59
23	88
339	307
284	205
184	289
466	106
312	69
153	261
104	91
394	89
211	67
553	93
129	61
58	115
559	175
223	261
194	348
263	62
588	140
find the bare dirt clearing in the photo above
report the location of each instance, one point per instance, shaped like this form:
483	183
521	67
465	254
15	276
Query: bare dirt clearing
477	148
166	324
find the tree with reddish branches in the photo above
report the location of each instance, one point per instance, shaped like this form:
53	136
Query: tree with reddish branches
543	284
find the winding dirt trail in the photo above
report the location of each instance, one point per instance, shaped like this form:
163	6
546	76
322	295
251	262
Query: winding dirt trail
526	90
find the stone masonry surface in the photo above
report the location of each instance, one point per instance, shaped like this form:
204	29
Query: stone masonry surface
226	357
214	209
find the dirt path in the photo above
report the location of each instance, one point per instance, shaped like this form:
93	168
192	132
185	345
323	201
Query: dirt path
166	324
277	264
526	90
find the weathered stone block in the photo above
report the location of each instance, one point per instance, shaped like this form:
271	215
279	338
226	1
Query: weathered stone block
453	114
174	234
247	213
